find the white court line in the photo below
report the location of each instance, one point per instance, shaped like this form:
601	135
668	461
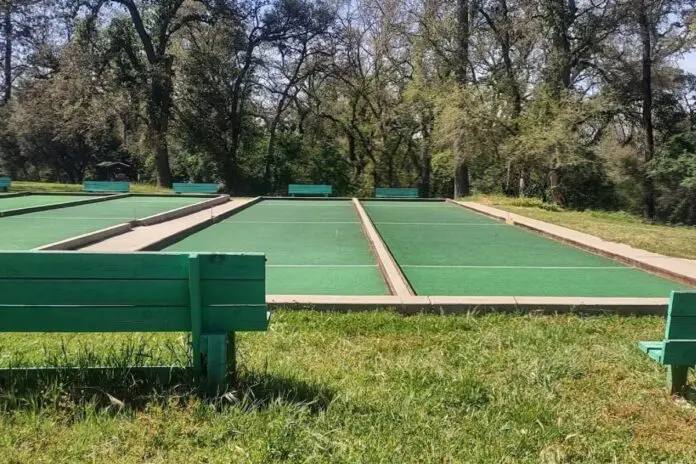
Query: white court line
34	218
517	267
321	265
441	223
292	222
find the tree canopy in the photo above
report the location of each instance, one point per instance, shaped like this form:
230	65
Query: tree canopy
579	103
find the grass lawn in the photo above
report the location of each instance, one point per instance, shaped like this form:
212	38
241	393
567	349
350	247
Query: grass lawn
679	241
365	387
20	186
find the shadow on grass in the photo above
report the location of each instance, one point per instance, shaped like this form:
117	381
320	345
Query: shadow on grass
134	389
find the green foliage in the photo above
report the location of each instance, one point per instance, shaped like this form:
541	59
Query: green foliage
674	168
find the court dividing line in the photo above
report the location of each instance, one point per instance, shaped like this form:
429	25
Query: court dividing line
292	222
474	224
518	267
72	218
323	265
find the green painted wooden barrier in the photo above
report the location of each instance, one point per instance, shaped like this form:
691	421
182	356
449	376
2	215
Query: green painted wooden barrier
104	186
392	192
210	295
678	349
195	188
309	190
5	184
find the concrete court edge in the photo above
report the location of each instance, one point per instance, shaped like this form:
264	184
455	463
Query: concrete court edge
616	256
98	198
90	238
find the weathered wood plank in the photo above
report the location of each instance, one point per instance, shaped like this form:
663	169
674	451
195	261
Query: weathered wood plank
71	265
196	310
396	192
252	317
195	188
94	319
682	304
248	266
308	189
229	292
679	352
105	186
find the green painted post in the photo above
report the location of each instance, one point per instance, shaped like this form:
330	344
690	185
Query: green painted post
216	361
232	355
676	378
196	309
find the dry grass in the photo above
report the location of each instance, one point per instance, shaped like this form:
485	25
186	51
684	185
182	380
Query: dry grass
19	186
678	241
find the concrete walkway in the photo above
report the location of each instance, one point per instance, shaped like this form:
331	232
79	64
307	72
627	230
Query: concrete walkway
140	238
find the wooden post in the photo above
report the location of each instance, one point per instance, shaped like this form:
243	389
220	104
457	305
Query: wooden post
676	378
216	361
196	310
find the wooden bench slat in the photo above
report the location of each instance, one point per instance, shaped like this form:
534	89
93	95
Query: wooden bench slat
182	187
231	318
105	186
127	292
397	192
309	189
682	304
679	352
680	328
70	265
232	292
73	319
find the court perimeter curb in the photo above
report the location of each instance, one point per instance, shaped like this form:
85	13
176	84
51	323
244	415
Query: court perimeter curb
83	240
97	198
446	305
397	283
183	211
681	270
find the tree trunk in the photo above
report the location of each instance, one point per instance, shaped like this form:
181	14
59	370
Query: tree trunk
647	122
160	108
461	168
426	162
7	32
270	154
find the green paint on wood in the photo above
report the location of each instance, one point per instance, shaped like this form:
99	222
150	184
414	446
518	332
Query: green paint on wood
103	186
133	292
678	349
390	192
195	188
309	190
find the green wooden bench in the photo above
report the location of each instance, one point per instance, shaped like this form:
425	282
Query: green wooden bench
210	295
390	192
195	188
309	190
104	186
678	349
5	184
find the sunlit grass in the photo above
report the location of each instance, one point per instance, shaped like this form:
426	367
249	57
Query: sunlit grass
369	387
19	186
679	241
